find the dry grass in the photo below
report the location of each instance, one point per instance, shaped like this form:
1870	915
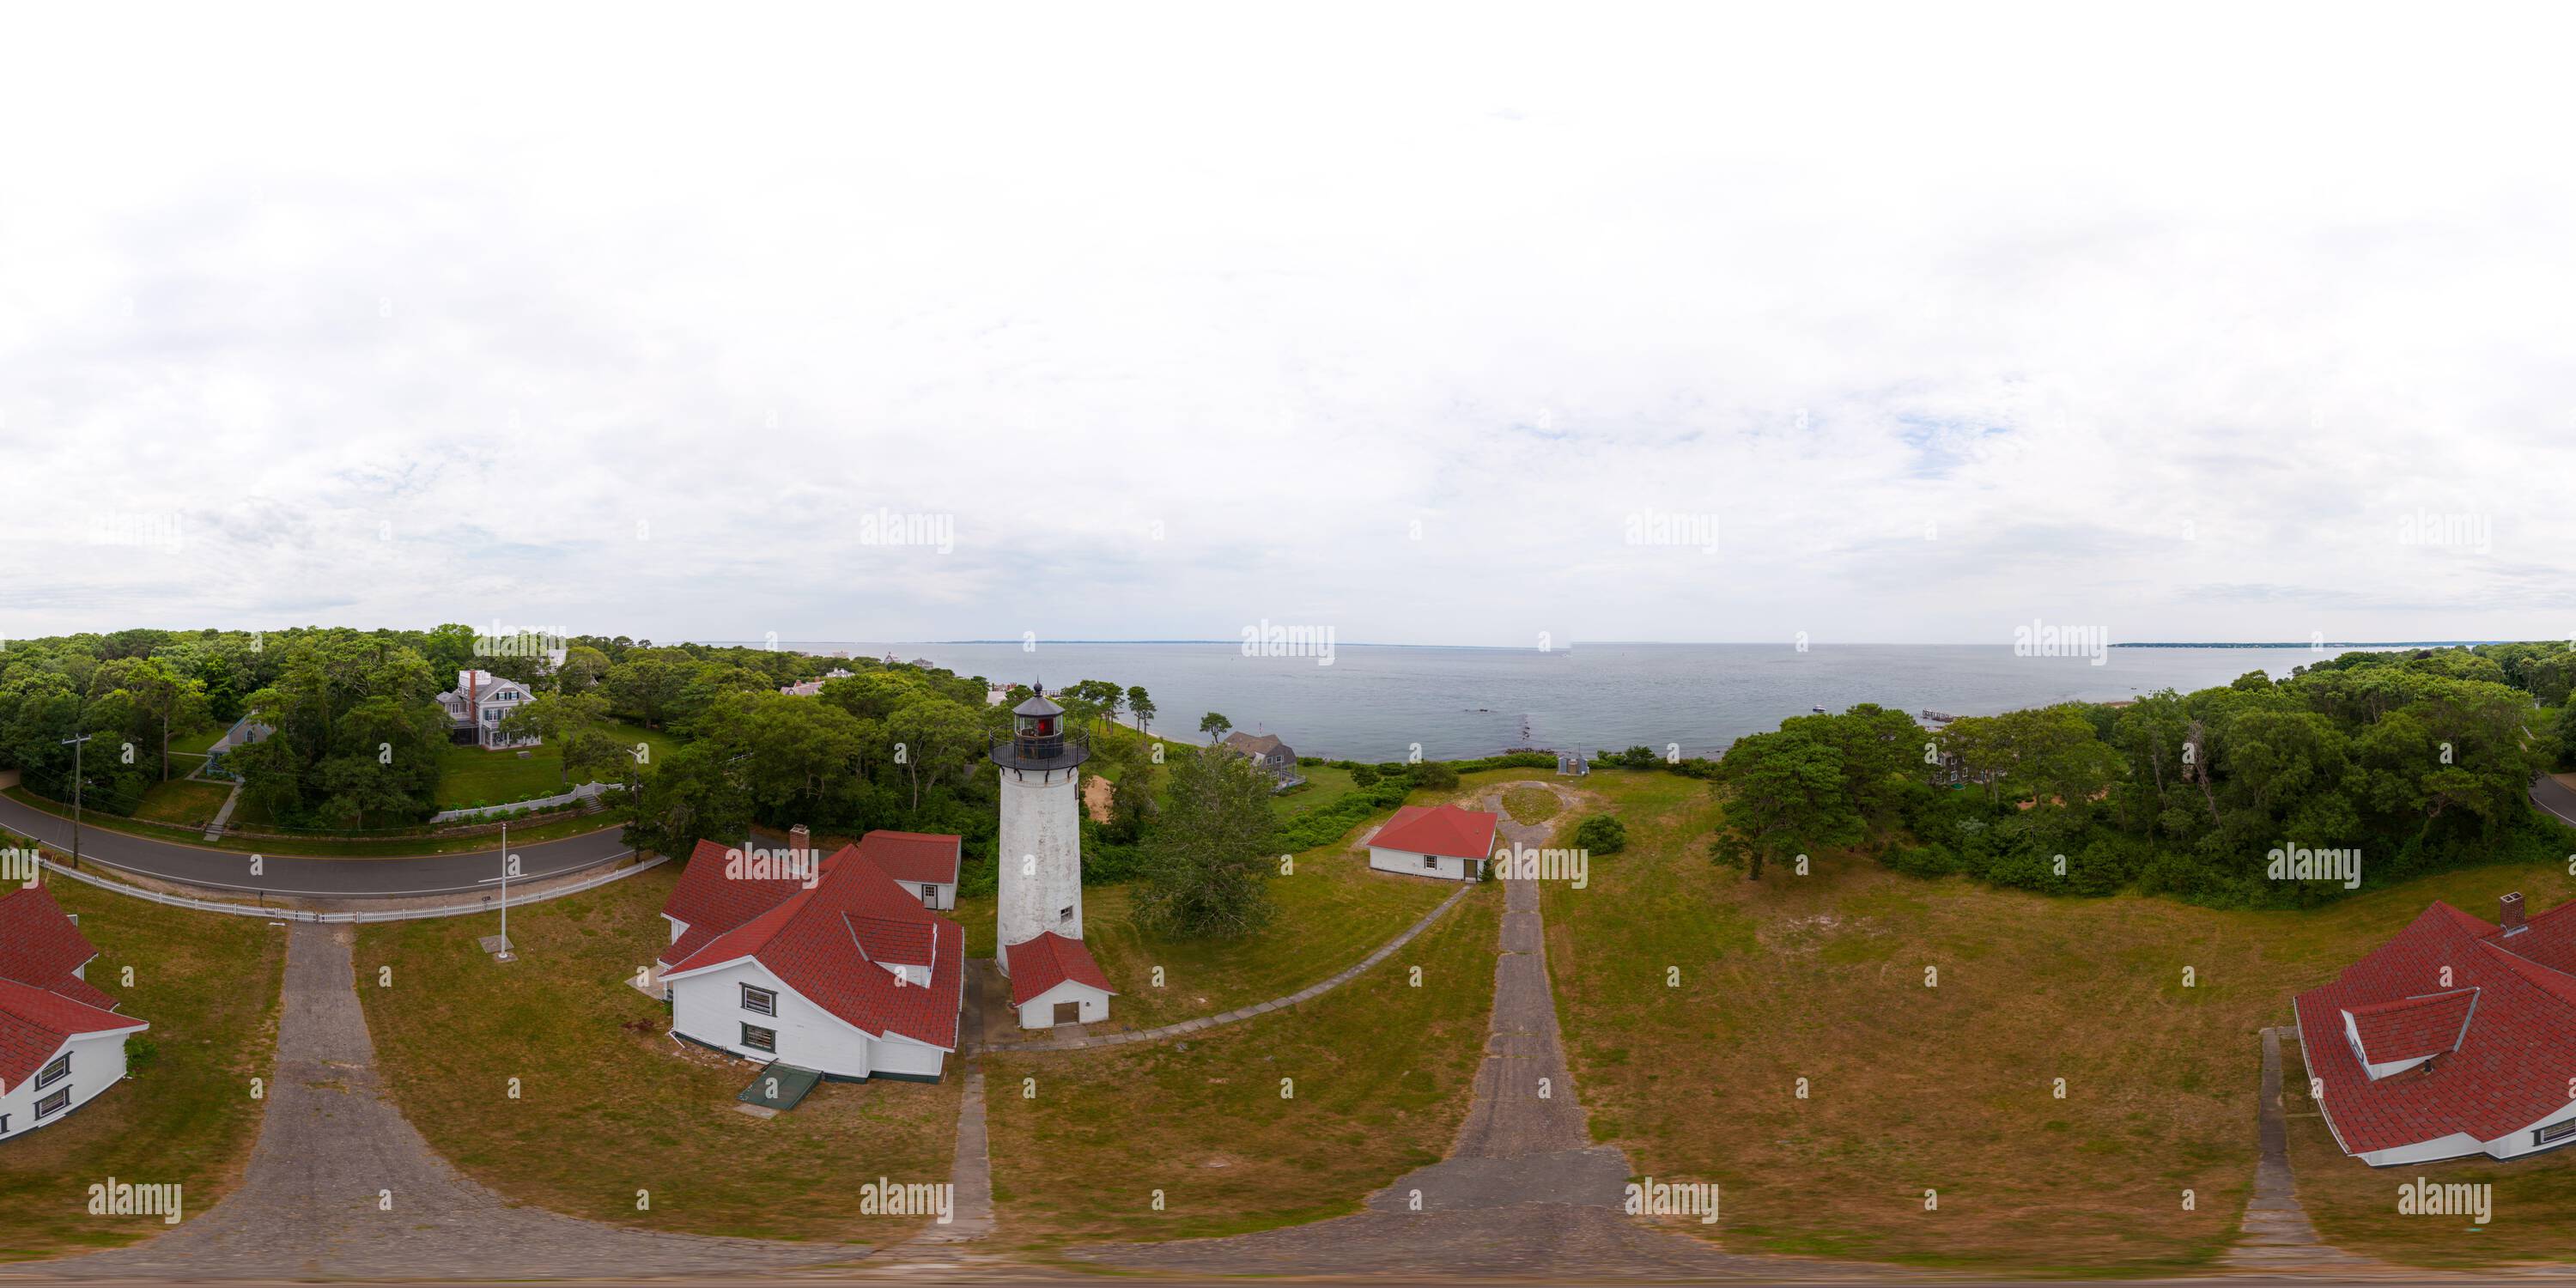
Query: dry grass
1383	1075
1530	804
208	985
608	1103
1949	1088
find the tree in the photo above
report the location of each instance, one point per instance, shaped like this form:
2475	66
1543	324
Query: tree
1206	865
1435	775
939	739
1785	797
163	699
1601	834
576	726
693	794
1131	800
1214	726
584	667
1141	704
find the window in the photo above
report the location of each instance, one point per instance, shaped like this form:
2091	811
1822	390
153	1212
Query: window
1064	913
60	1069
2554	1131
929	895
760	1039
54	1103
1431	861
759	1001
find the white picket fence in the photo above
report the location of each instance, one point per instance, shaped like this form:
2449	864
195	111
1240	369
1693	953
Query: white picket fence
393	914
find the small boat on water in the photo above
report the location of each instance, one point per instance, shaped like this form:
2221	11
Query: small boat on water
1817	710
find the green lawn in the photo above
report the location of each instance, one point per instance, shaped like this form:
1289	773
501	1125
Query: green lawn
248	816
1949	1088
1332	911
1382	1075
208	986
196	744
609	1104
473	776
1324	785
182	802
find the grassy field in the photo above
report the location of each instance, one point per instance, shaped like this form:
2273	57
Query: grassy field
1530	804
1949	1088
180	801
1324	785
1332	911
609	1104
400	846
208	986
1382	1075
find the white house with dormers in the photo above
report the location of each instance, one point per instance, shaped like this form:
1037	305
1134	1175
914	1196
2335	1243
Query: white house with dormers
61	1040
835	967
476	706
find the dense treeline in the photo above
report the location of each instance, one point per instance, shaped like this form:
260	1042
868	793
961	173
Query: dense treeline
2411	761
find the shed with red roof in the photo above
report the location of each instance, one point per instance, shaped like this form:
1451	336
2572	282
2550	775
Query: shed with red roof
1055	981
61	1040
2454	1038
1434	841
836	967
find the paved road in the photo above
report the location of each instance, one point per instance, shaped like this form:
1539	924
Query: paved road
311	877
2552	795
333	1146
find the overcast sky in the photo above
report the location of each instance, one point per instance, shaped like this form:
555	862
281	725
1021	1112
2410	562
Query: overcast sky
1432	325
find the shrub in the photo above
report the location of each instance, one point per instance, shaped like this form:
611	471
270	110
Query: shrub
1364	775
1922	860
1436	776
1601	834
140	1052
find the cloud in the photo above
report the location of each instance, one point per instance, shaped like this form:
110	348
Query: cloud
1182	321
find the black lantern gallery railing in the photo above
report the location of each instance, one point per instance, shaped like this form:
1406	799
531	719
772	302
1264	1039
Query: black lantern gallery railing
1039	751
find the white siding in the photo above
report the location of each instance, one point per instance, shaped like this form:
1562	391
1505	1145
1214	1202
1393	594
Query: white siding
2460	1144
1410	863
98	1063
1039	1012
708	1008
1039	819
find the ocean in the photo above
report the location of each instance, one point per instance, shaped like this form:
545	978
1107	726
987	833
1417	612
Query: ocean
1375	702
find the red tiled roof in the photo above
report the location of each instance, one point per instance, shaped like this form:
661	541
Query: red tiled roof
2414	1027
42	1004
709	903
39	945
913	856
1048	960
1445	830
34	1024
2511	1064
821	942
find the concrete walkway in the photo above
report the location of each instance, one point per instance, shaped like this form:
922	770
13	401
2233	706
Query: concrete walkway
2276	1234
1002	1038
334	1150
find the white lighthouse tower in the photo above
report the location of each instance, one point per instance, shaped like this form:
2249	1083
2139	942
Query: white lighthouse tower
1040	897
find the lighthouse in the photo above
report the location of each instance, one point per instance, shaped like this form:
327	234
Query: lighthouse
1039	906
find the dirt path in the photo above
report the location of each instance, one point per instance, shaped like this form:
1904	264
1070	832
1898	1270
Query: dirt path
334	1152
1524	1191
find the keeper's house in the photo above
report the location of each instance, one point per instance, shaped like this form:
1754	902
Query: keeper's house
1434	841
61	1040
2456	1037
848	975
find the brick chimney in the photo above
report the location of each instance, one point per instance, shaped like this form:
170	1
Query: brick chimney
800	839
2509	913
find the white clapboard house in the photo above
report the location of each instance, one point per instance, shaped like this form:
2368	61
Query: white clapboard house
850	976
61	1040
1434	841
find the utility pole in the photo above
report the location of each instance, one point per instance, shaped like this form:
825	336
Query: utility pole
504	879
75	745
